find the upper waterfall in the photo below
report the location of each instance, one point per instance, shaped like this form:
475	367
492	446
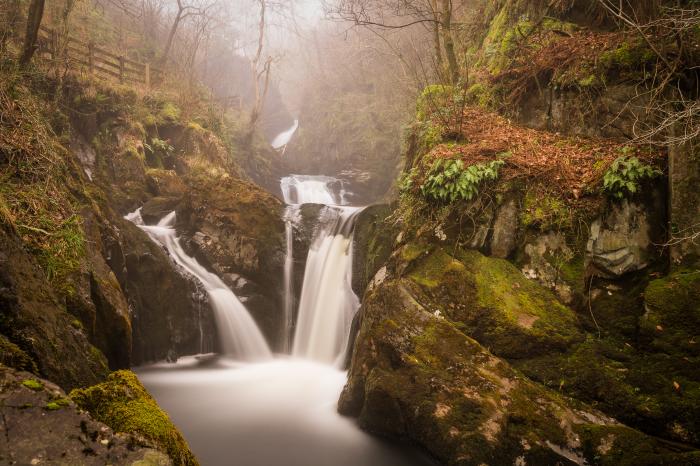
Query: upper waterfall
327	303
239	335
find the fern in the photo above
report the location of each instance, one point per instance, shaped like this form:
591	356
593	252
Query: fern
624	176
450	181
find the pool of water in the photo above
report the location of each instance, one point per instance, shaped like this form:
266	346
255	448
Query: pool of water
281	412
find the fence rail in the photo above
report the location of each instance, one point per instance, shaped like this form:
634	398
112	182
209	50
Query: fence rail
96	60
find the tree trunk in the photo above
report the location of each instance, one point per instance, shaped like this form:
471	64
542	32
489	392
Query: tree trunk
36	12
439	65
447	42
171	37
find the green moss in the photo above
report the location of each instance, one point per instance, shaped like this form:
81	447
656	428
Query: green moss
12	355
123	403
627	55
672	318
57	404
494	302
33	384
433	98
169	113
546	212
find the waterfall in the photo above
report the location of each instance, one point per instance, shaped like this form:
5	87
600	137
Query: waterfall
283	138
327	303
238	333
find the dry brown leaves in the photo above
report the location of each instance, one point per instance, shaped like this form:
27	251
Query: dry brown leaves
565	164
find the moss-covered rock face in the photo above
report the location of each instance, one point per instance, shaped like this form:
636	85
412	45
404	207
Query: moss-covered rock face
123	404
493	302
41	424
417	376
672	318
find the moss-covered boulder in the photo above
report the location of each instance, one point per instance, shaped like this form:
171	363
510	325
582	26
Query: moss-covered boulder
123	404
43	426
672	318
491	300
416	376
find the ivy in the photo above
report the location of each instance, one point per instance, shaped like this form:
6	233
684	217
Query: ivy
449	180
624	176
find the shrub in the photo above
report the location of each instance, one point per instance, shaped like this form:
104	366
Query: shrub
624	175
450	181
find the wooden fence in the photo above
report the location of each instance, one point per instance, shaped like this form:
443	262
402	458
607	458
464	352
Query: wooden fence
96	60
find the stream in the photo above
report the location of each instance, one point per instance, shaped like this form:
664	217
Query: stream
248	407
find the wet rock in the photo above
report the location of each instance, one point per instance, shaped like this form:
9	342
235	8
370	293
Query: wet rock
553	264
123	404
171	316
619	242
505	229
416	376
233	226
492	300
43	426
34	320
157	208
372	244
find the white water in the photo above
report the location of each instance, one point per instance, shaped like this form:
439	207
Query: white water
238	333
328	303
283	412
285	136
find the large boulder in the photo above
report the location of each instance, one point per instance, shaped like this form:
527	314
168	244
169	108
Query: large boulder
123	404
43	426
237	230
491	300
171	316
416	376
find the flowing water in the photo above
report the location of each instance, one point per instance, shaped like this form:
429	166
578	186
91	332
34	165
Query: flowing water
279	411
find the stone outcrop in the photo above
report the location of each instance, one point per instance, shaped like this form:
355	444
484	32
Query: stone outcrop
41	425
237	230
416	376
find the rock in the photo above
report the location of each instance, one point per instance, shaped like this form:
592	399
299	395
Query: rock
505	229
553	264
157	208
493	301
233	226
123	404
372	244
415	376
42	426
165	183
672	317
34	320
171	316
619	242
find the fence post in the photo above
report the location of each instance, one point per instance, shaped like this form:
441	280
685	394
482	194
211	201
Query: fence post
91	57
147	75
53	44
121	69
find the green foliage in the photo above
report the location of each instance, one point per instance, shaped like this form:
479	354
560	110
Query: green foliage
169	113
624	176
627	55
433	98
545	211
450	181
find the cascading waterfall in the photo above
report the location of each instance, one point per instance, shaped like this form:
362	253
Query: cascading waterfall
238	333
327	303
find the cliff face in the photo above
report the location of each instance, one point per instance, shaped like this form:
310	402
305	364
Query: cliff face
85	290
531	235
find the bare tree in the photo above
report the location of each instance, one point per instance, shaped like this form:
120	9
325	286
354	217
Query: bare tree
385	15
260	69
184	11
34	16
